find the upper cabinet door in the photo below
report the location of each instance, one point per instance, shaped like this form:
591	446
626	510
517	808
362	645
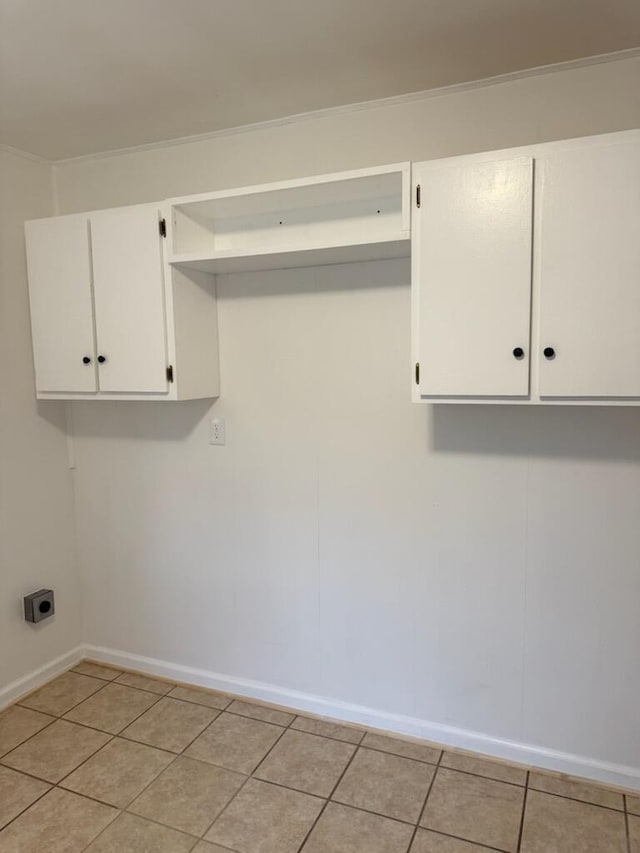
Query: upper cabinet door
589	271
472	277
61	309
129	300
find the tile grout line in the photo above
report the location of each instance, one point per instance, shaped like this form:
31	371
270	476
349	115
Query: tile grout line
56	718
424	804
328	799
26	740
26	808
57	784
524	808
479	844
576	799
75	705
170	685
249	776
125	809
626	823
111	739
54	785
198	704
130	739
337	802
118	672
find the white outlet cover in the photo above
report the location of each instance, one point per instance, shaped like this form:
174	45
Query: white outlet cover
217	431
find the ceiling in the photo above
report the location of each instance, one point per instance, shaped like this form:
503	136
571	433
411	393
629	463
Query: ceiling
83	76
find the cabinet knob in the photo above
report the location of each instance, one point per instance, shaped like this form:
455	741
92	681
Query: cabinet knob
518	353
549	352
102	359
86	359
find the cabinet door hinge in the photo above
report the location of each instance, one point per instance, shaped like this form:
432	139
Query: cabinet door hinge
418	196
417	372
170	373
163	227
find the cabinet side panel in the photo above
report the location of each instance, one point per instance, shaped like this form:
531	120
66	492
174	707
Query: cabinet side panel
590	271
61	304
195	316
472	265
129	299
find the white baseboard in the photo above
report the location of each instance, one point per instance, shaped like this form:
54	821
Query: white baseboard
14	691
523	753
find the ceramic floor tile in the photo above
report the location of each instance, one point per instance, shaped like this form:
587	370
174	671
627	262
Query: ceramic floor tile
502	772
235	742
345	830
17	792
259	712
265	818
633	804
142	682
96	670
432	842
118	772
18	724
60	695
55	751
188	796
201	697
207	847
557	825
327	728
405	748
132	834
306	762
386	784
171	724
577	789
114	708
634	833
475	809
60	822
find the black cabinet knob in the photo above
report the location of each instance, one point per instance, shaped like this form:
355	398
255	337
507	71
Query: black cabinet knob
86	359
102	359
549	352
518	353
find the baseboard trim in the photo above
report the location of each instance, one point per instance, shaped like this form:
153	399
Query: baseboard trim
19	688
548	759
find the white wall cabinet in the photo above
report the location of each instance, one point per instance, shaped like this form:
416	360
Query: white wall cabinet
526	274
58	257
589	271
128	293
120	312
107	320
473	256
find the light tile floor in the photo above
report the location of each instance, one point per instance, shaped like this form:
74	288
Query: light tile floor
112	762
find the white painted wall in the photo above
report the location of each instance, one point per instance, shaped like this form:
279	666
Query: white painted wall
36	500
471	567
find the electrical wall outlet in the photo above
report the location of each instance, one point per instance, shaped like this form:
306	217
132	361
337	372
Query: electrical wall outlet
39	605
217	431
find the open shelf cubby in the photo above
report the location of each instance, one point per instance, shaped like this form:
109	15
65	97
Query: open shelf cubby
339	218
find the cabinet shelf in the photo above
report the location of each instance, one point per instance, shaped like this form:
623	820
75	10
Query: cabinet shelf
281	257
331	219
